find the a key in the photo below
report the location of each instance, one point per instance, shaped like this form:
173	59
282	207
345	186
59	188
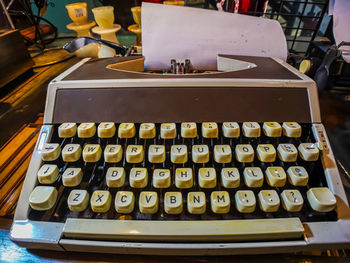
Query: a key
71	153
308	151
126	130
222	153
161	178
124	202
48	174
207	177
244	153
138	177
292	201
245	201
50	152
321	199
291	129
72	177
188	130
115	177
168	130
43	198
134	154
78	200
210	130
147	131
113	153
230	177
173	204
297	176
148	202
276	176
92	153
156	153
220	202
106	130
67	130
196	203
178	154
200	153
253	177
251	129
266	153
100	201
230	130
269	201
272	129
183	178
86	130
287	152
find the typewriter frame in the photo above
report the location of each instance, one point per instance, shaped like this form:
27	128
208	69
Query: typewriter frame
317	235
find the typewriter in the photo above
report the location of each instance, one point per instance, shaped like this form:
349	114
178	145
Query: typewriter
186	164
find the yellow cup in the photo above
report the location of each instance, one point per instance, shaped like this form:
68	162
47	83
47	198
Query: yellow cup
136	14
78	13
180	3
104	16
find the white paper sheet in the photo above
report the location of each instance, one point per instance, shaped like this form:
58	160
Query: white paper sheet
341	25
176	32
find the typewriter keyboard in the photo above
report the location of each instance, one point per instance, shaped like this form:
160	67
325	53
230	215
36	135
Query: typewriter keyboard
181	171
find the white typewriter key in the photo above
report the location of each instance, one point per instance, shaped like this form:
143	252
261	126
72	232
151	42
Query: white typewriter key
200	153
113	153
196	203
269	200
244	153
124	202
126	130
251	129
147	131
173	204
297	176
72	177
50	152
156	153
222	153
71	153
292	201
92	153
210	130
308	151
48	174
253	177
287	152
220	202
115	177
161	178
148	202
272	129
67	130
86	130
134	154
188	130
230	177
183	178
138	177
230	129
276	176
100	201
207	177
266	153
168	131
291	129
245	201
43	198
178	154
321	199
78	200
106	130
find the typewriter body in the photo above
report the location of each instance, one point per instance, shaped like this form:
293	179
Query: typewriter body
191	164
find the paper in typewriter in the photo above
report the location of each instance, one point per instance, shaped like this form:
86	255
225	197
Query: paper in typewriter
176	32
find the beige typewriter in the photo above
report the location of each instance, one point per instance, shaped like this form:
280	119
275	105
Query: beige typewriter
187	164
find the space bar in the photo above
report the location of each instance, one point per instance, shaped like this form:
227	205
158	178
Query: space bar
178	231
